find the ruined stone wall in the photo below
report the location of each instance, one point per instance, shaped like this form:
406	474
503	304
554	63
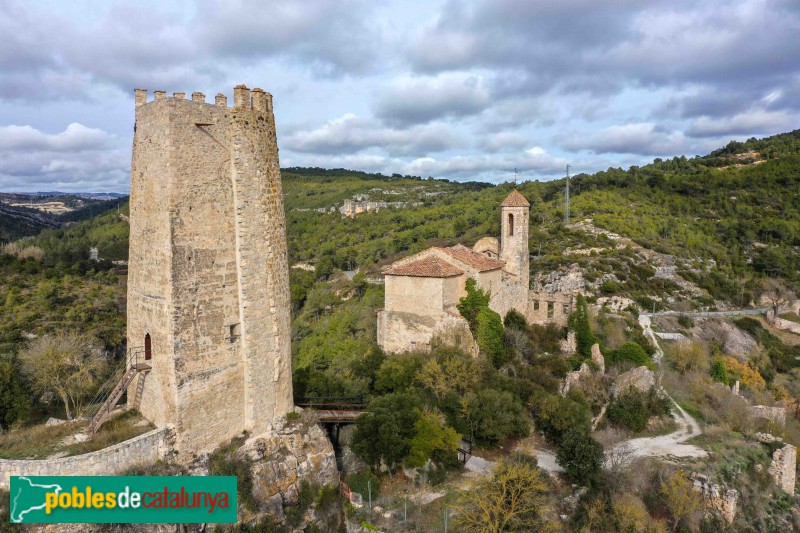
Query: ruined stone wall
208	270
783	468
549	307
145	449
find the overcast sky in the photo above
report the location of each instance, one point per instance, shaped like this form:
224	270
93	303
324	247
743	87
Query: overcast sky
452	89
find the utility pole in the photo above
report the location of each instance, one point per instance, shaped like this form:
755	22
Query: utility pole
566	201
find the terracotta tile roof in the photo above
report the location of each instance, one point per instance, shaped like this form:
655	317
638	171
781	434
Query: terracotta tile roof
427	267
479	262
515	199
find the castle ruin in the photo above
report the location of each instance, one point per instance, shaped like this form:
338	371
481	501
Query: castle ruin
208	286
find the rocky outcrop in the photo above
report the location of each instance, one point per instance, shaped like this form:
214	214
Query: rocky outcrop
282	461
598	359
715	497
641	378
573	378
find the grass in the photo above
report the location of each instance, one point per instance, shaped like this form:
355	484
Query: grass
118	429
41	442
794	317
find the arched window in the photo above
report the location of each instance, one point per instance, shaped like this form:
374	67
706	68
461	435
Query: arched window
148	347
510	224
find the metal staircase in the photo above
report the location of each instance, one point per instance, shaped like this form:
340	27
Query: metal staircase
134	368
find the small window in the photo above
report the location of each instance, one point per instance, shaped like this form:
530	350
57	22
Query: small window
551	309
233	332
510	224
536	305
565	309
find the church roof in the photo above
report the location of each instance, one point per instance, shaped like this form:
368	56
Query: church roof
476	260
427	267
515	199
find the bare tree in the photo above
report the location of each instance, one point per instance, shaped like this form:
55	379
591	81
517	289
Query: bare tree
67	365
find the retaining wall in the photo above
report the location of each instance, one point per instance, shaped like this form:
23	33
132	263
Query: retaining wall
144	449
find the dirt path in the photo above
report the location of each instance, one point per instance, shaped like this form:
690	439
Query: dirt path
672	444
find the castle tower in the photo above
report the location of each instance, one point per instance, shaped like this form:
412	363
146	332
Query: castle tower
514	236
208	282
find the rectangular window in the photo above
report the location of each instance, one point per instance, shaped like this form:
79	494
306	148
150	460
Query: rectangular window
551	309
565	309
536	305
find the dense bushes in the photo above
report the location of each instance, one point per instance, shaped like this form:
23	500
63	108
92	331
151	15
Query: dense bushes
633	409
630	352
579	323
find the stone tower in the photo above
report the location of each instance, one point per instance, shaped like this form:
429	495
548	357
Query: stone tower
208	283
514	236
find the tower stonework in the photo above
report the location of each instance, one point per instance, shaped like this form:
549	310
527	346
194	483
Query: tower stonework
208	283
514	237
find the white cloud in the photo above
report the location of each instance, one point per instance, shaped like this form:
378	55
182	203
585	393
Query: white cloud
350	134
755	122
412	100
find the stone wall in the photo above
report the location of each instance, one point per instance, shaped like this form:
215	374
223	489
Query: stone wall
550	307
145	449
400	332
208	269
776	415
715	497
783	467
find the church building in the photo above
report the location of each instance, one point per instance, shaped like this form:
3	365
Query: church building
422	290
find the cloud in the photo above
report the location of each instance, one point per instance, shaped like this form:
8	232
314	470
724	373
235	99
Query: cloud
752	123
76	159
350	134
414	100
643	138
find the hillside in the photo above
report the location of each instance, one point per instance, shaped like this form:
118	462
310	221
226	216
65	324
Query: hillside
23	215
712	232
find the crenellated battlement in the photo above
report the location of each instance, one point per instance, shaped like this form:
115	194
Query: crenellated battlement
257	99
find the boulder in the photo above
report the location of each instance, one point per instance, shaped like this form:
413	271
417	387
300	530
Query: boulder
641	378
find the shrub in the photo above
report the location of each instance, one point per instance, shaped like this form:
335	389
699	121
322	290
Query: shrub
14	399
631	352
580	455
579	322
515	320
555	415
495	415
470	305
363	482
609	287
685	321
385	431
433	440
490	337
720	372
629	410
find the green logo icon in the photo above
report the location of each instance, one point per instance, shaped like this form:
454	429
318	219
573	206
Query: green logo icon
122	499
